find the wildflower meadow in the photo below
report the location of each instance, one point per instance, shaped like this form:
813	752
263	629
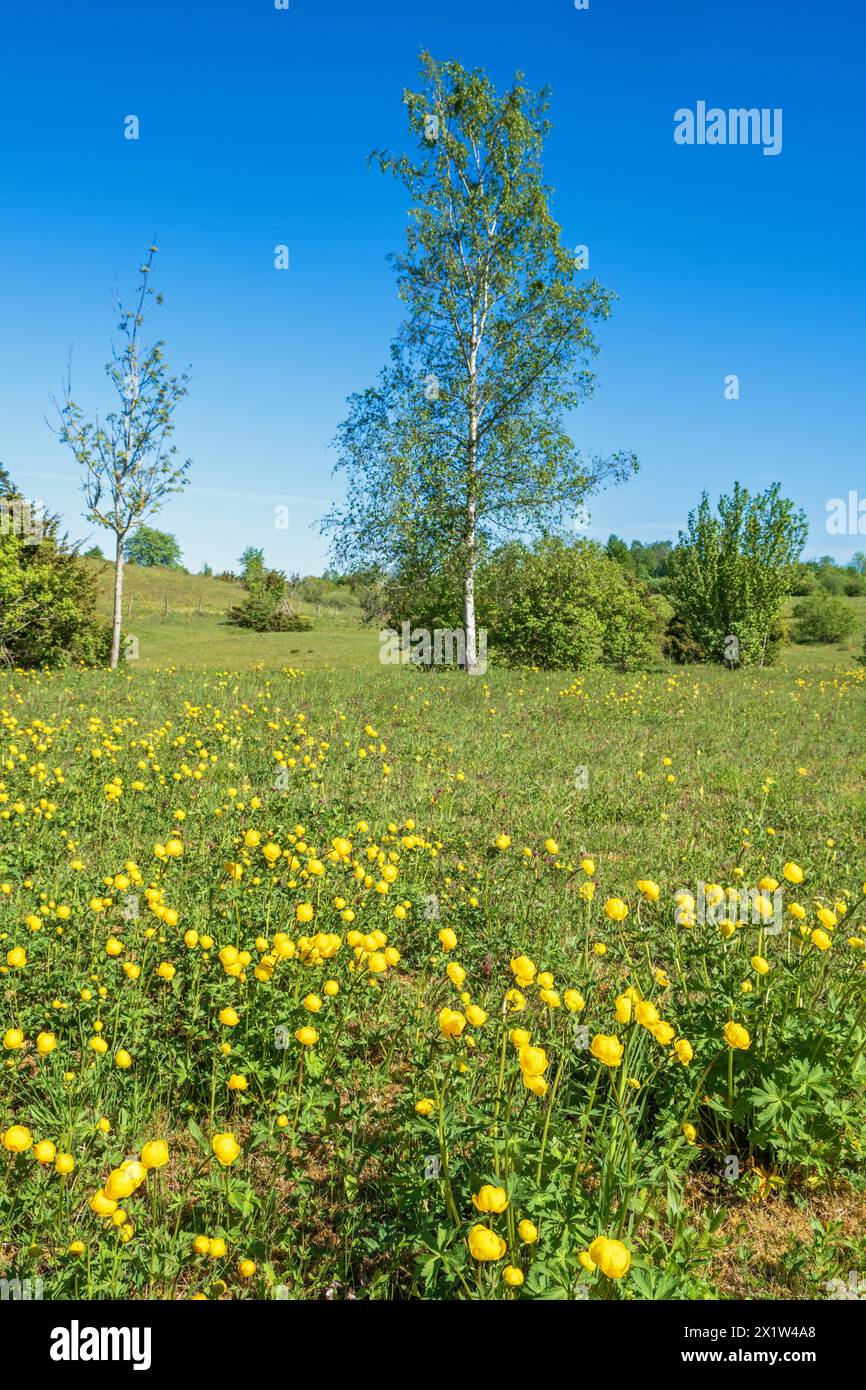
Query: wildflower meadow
399	985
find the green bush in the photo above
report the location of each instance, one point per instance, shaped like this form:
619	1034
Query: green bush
264	607
47	598
822	618
566	605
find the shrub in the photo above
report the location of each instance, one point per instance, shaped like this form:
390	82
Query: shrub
265	609
47	598
822	618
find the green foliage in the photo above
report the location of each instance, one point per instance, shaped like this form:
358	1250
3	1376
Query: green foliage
264	607
822	618
149	547
462	441
565	606
47	598
730	573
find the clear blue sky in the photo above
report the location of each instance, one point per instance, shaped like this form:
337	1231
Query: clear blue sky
255	128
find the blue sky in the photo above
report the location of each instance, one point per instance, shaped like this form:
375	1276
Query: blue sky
255	126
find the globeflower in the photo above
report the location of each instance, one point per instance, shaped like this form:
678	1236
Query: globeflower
792	872
490	1198
616	909
307	1037
451	1023
736	1036
607	1048
17	1139
155	1154
533	1060
648	889
684	1050
45	1043
485	1244
612	1257
226	1148
820	939
528	1231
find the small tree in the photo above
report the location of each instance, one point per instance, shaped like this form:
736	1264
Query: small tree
252	563
463	442
823	618
150	548
127	458
730	573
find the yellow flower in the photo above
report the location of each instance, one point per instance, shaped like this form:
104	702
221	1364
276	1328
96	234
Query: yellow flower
45	1151
588	866
155	1154
587	1262
502	842
456	974
792	872
607	1048
646	1013
662	1032
64	1163
13	1039
612	1257
485	1244
17	958
649	889
307	1037
45	1043
490	1198
551	846
425	1106
226	1148
512	1276
102	1204
17	1139
447	939
216	1248
122	1059
312	1003
574	1001
229	1018
736	1036
237	1082
684	1050
760	965
451	1023
622	1005
821	939
690	1132
533	1060
528	1231
246	1268
476	1016
616	909
827	918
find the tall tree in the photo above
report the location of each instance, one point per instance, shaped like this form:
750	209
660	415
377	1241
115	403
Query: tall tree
128	458
462	441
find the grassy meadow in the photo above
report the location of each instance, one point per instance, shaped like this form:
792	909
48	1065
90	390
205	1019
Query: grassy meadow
322	977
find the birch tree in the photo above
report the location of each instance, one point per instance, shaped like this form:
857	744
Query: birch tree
463	439
128	460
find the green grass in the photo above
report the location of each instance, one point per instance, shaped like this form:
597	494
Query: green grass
696	775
